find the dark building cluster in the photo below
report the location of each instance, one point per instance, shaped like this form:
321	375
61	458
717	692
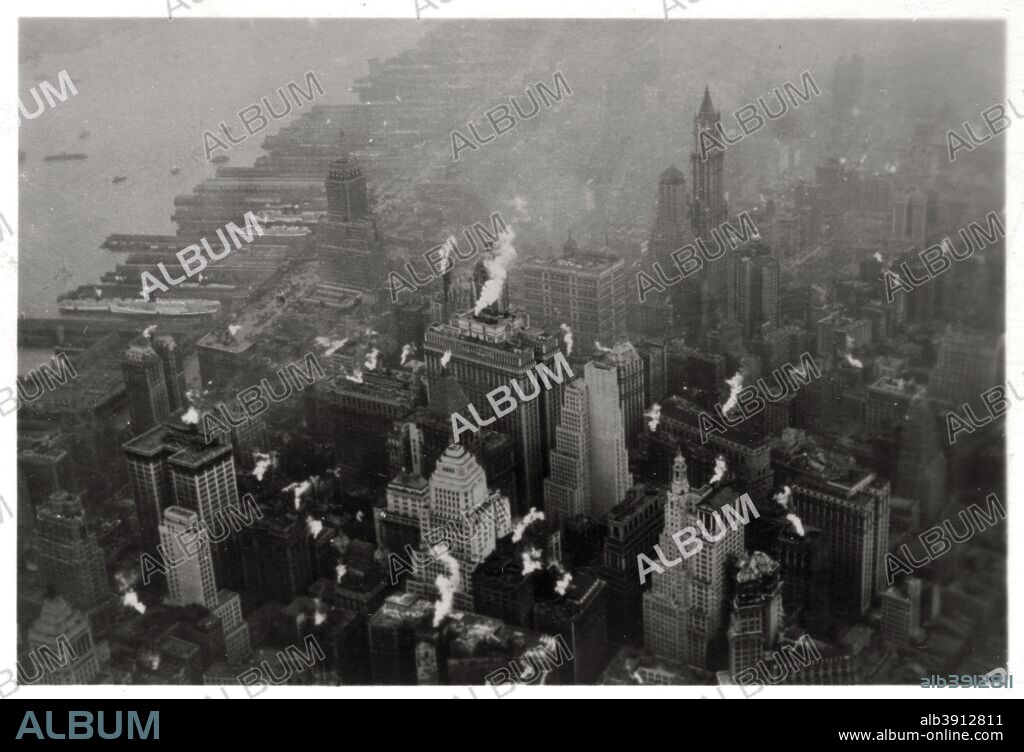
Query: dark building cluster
350	518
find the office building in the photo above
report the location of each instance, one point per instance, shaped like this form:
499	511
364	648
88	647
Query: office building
145	386
173	363
901	613
64	632
754	294
70	559
351	244
757	611
172	465
190	577
491	350
589	465
586	291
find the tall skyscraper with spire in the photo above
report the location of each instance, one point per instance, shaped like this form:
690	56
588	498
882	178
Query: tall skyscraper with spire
709	208
61	629
174	370
685	611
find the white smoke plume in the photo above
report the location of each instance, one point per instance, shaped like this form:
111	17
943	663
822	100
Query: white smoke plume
356	376
601	347
341	570
299	489
190	416
319	617
359	515
148	331
532	561
878	258
152	660
532	516
263	463
562	586
720	469
798	525
129	598
568	338
446	587
445	358
520	208
447	264
783	497
655	416
322	342
98	291
234	329
497	269
314	526
735	385
849	354
371	360
407	352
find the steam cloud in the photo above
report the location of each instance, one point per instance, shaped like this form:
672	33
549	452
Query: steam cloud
532	516
601	347
783	498
341	570
407	352
234	329
356	376
849	354
148	331
568	338
371	360
446	587
445	358
655	416
190	416
263	463
314	526
299	489
497	268
720	469
735	385
532	561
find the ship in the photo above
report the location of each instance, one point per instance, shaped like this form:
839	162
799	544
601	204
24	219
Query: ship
129	307
220	159
175	170
119	178
64	156
83	135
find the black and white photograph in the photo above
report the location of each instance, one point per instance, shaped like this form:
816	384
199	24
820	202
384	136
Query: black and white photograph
451	352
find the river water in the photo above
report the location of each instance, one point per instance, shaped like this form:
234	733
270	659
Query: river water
147	90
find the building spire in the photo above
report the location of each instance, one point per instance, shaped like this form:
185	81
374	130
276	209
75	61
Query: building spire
705	105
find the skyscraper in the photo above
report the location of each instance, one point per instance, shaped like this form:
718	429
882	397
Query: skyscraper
672	218
70	559
172	465
631	375
756	612
686	609
754	293
585	291
351	243
464	514
190	576
489	351
589	466
276	562
174	370
709	209
60	628
145	385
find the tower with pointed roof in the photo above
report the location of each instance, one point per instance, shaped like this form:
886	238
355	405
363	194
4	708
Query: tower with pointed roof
61	647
